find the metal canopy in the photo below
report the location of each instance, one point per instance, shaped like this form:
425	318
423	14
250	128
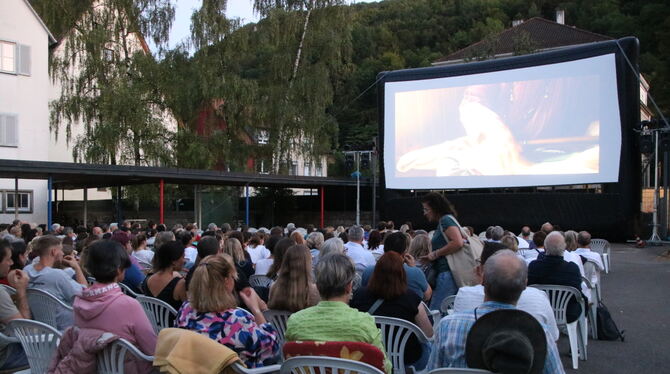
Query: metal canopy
66	175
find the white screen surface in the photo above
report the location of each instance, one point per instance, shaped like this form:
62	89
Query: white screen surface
543	125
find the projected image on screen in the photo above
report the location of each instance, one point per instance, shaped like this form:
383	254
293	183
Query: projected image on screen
510	132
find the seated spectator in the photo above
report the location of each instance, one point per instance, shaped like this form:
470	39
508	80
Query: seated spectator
12	355
163	237
294	289
584	250
190	252
212	310
143	255
263	266
387	295
332	245
526	234
207	246
297	237
234	249
314	242
375	244
553	269
332	319
134	275
416	280
532	300
55	281
19	257
354	249
278	254
166	283
256	248
537	248
100	305
504	280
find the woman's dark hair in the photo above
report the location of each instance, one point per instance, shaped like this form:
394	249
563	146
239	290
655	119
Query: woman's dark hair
18	249
438	204
374	240
138	240
184	237
396	242
278	253
344	237
167	254
237	235
271	242
105	258
389	279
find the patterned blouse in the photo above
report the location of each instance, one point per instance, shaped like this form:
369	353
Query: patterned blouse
237	330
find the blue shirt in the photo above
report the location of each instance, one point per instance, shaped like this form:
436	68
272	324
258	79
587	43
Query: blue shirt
449	344
438	241
416	280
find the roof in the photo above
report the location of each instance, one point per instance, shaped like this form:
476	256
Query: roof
69	175
52	40
543	33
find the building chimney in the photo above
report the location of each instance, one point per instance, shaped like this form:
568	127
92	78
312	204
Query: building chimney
516	22
560	16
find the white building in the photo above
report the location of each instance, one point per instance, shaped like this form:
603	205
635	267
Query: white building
24	105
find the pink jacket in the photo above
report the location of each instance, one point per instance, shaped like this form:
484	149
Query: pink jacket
77	351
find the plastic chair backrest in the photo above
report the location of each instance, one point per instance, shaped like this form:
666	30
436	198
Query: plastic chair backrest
459	371
357	351
159	312
126	290
10	290
434	314
395	334
239	368
599	245
112	359
559	296
278	319
258	280
323	365
447	304
39	342
44	306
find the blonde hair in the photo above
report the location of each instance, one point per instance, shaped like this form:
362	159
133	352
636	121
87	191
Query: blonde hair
510	242
571	240
420	246
207	291
292	290
233	248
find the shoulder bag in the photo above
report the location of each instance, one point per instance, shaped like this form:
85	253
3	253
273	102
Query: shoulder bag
462	263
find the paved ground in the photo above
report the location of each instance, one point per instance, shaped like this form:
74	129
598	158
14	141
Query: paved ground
637	294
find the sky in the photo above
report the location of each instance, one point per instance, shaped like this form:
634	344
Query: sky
236	8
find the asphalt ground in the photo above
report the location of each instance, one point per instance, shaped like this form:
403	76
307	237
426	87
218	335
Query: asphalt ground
637	293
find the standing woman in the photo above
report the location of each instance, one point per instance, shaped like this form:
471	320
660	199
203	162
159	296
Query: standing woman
438	209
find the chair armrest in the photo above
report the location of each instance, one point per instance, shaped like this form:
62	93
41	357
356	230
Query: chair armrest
239	368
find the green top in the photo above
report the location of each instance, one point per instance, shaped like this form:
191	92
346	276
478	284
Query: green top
335	321
441	265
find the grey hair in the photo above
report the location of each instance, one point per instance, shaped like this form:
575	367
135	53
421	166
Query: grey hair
505	277
570	240
554	244
510	242
68	230
497	233
314	240
212	226
334	273
584	238
332	245
355	234
162	238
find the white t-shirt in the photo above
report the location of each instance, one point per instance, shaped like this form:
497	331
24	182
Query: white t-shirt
191	253
576	259
258	252
532	300
263	266
144	257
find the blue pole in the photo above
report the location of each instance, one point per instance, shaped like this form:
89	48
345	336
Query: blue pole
49	212
247	220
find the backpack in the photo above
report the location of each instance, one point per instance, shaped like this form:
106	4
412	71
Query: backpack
607	329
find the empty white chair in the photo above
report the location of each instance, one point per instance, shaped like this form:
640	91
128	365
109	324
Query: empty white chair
592	309
45	307
395	334
112	358
39	342
319	364
458	371
602	246
126	290
160	313
559	296
258	280
447	306
278	319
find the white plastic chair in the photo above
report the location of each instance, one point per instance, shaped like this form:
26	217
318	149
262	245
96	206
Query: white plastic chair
447	306
258	280
459	371
158	311
602	246
320	365
39	342
395	334
593	309
435	314
240	369
44	306
559	296
126	290
112	359
278	319
10	290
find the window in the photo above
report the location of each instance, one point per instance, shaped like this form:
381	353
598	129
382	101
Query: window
108	54
263	136
9	132
262	167
25	201
7	57
307	170
319	170
293	168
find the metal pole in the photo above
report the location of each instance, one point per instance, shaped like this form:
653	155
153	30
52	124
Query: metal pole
665	194
358	188
161	208
118	204
16	198
322	209
49	208
85	207
654	236
373	163
247	205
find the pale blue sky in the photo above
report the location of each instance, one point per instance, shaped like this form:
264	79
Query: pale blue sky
236	8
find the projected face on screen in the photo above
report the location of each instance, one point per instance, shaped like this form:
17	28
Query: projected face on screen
508	132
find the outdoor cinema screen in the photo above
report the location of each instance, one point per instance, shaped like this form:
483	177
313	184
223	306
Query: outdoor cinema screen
550	124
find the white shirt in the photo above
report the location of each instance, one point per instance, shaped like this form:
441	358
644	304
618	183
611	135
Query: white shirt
591	256
190	253
532	300
575	258
258	252
144	257
530	255
263	266
523	244
362	257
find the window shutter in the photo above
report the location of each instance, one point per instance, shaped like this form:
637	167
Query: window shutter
23	62
3	125
11	130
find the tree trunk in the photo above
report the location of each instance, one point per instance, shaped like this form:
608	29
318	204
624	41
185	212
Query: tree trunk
302	40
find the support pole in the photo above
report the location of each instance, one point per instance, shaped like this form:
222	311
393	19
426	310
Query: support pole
86	207
247	205
321	221
16	198
655	238
161	217
373	164
118	205
49	208
197	206
358	188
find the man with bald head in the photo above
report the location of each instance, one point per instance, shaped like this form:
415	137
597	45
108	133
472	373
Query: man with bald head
547	228
553	269
504	278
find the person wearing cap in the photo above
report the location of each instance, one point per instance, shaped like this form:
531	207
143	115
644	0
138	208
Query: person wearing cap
504	279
